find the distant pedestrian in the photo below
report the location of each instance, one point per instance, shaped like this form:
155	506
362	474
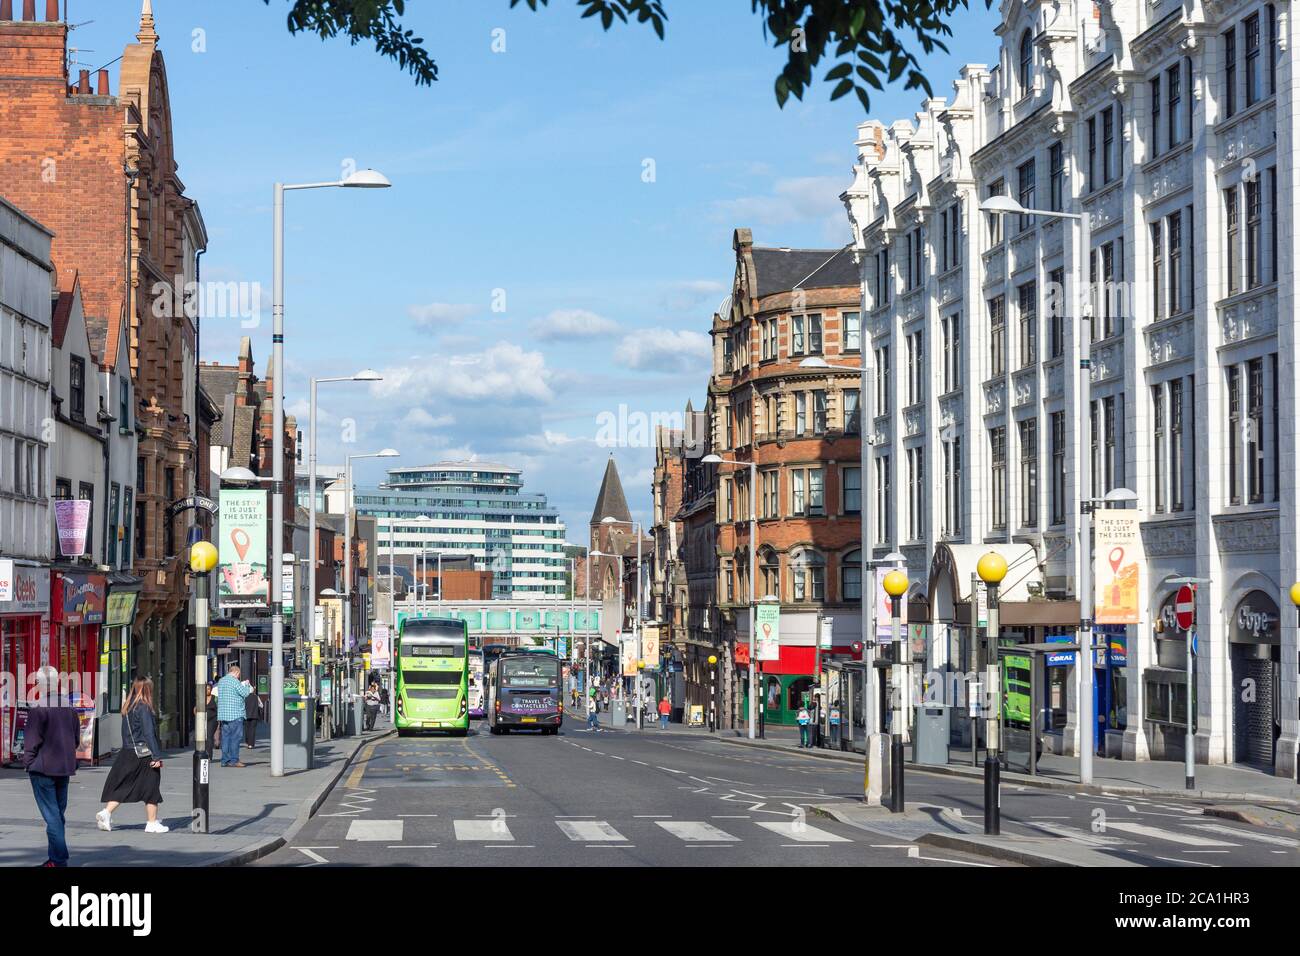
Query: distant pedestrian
805	731
210	709
593	716
231	692
252	715
665	710
383	700
372	705
50	759
136	776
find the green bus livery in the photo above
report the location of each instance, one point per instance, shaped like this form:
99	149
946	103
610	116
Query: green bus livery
431	663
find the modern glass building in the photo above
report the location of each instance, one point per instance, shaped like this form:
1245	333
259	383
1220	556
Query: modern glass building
471	508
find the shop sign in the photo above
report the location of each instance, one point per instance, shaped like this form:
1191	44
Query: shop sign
1117	567
1116	641
1061	658
1256	620
120	608
244	581
742	654
28	588
72	518
81	598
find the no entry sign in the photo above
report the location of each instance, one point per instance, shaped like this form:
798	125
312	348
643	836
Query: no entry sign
1185	608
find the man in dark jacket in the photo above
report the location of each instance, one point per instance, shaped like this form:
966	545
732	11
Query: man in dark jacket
50	757
252	714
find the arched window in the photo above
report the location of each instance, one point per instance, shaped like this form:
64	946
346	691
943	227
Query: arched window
851	576
808	575
769	571
1026	62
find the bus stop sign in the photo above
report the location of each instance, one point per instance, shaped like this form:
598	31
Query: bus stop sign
1185	608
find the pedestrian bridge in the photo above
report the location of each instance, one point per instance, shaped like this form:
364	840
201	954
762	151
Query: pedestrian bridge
512	622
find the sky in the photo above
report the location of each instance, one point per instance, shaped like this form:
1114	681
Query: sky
542	275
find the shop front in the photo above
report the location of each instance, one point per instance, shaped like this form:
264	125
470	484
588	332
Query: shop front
1164	685
24	632
1255	638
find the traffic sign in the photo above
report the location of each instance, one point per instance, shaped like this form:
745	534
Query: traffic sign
1185	607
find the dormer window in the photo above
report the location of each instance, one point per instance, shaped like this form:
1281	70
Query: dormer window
1026	72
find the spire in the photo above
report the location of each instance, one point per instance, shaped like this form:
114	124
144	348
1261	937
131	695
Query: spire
611	503
147	32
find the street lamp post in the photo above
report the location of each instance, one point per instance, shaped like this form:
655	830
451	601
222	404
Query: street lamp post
203	558
713	693
992	568
753	577
895	585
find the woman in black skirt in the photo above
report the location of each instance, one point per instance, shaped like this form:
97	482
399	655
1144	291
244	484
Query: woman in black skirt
136	776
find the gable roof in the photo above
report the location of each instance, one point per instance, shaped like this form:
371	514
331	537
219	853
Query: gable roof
780	270
611	502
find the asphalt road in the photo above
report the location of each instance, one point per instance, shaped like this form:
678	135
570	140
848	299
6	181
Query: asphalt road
583	799
644	799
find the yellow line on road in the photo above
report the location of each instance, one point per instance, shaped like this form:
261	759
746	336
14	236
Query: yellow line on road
359	771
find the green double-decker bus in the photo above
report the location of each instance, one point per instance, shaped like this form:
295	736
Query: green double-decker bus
431	663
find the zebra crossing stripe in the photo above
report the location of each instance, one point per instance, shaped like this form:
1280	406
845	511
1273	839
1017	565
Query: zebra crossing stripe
696	831
366	831
1173	837
802	832
1247	834
485	831
590	831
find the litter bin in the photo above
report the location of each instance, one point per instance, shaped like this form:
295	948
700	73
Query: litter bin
931	746
299	730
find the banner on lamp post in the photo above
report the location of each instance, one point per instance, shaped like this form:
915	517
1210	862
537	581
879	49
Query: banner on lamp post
244	580
1117	567
72	518
379	646
767	621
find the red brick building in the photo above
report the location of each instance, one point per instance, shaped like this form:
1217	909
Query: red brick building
800	426
98	169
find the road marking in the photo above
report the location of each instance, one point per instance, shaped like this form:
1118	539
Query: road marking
310	855
1076	834
670	769
589	831
617	757
652	816
611	846
359	771
1172	859
510	846
1246	834
708	846
488	831
731	816
414	846
795	830
417	814
389	831
1158	834
810	846
696	831
575	816
641	762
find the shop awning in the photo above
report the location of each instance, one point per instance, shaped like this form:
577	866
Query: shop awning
957	562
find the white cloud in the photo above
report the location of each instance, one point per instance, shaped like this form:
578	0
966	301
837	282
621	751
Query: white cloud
572	324
419	418
686	296
502	372
663	349
797	199
435	315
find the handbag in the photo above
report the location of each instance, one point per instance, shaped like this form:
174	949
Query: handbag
141	750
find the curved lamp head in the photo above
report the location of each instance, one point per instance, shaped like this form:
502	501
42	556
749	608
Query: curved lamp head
238	474
992	568
388	453
895	584
203	557
711	460
366	179
1121	494
367	375
815	362
1001	204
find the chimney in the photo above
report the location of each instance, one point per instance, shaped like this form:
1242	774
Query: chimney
52	11
29	10
83	82
6	9
102	89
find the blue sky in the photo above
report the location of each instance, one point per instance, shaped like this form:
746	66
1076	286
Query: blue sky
519	182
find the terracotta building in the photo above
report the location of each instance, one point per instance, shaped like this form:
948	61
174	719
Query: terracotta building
98	169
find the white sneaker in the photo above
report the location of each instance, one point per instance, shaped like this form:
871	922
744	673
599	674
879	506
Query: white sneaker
104	820
155	827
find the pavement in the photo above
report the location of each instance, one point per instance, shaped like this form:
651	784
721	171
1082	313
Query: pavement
251	813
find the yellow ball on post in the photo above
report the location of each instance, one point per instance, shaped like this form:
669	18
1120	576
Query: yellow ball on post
1295	594
895	584
992	568
203	557
713	658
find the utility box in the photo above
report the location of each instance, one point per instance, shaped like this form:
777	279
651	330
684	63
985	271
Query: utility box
932	733
299	730
617	713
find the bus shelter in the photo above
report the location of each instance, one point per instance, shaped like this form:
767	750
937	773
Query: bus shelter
1024	716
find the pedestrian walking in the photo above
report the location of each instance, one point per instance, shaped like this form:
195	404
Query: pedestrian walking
136	776
593	715
383	700
50	758
805	731
210	708
372	705
665	710
252	714
231	692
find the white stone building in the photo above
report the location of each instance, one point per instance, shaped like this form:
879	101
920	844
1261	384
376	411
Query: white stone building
1168	125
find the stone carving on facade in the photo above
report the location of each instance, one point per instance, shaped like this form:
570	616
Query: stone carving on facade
995	266
1106	209
1248	137
913	421
1107	363
1169	343
1171	176
995	394
1053	239
1256	533
1169	538
1056	380
1025	385
1250	319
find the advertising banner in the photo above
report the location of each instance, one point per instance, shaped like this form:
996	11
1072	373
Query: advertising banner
379	646
884	611
242	550
120	610
627	654
650	647
767	621
72	518
80	598
1117	566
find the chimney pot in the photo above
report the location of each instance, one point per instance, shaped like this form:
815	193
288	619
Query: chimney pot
103	83
52	11
83	81
6	9
29	9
